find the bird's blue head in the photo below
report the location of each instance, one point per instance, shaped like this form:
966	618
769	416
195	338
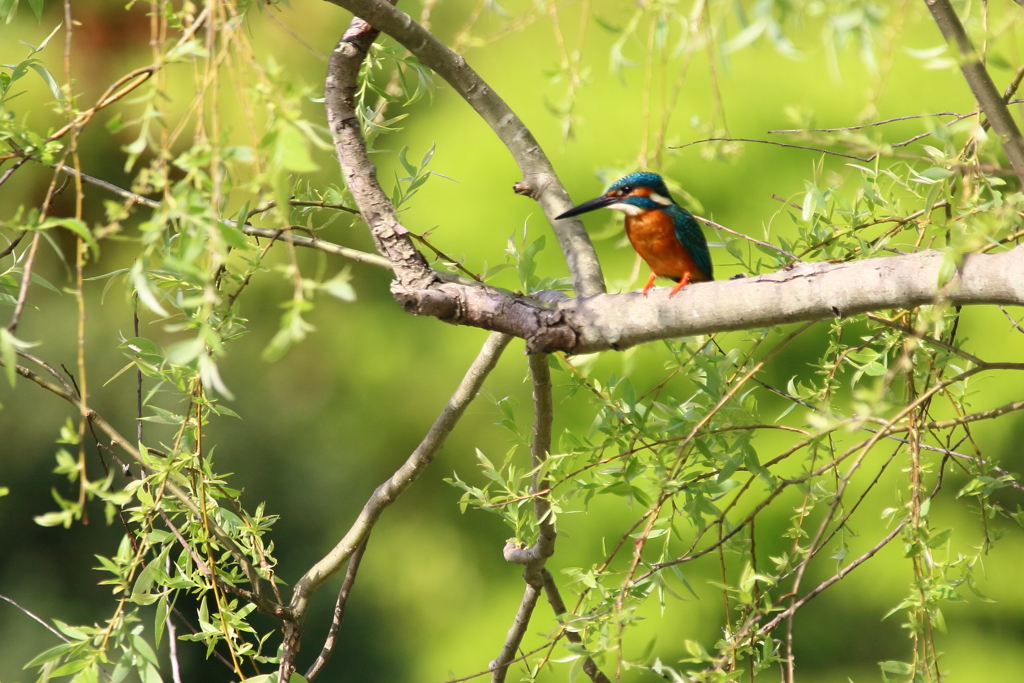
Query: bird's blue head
633	195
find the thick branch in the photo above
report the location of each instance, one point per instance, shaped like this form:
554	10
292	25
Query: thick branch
977	77
806	292
390	236
539	179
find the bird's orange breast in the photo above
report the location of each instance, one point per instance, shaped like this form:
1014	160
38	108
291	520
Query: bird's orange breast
653	236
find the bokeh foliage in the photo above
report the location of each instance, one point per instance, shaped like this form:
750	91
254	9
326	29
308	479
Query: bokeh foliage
693	478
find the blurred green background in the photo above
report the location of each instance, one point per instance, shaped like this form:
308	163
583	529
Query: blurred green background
322	427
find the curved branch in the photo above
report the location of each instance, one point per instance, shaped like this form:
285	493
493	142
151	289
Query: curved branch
805	292
389	235
389	491
539	179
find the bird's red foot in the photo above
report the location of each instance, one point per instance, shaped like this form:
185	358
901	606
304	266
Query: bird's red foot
679	285
650	283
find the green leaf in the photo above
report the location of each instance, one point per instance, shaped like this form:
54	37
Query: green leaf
184	352
77	227
64	517
899	668
340	286
49	655
7	7
48	78
232	233
9	346
145	291
74	666
9	355
937	173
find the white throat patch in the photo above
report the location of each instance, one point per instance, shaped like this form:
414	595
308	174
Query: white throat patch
627	209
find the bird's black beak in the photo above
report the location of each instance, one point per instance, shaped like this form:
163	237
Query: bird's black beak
599	203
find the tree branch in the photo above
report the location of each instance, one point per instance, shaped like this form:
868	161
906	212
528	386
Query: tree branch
499	667
339	611
805	292
980	82
389	235
539	179
534	557
388	492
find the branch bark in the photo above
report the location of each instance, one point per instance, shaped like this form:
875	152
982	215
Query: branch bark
806	292
339	611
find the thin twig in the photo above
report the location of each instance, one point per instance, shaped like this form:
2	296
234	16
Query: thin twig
8	173
487	672
339	611
790	131
780	144
34	617
248	229
717	226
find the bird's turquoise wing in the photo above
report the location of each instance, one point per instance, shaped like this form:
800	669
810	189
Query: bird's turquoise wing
690	235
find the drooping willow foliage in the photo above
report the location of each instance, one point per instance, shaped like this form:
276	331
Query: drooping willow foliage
778	485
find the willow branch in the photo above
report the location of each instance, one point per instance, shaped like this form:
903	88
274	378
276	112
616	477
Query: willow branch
392	241
539	179
558	605
248	228
266	605
499	667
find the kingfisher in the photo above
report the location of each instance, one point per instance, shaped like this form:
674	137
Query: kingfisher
665	234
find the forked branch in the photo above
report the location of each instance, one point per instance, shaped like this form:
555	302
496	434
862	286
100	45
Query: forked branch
539	179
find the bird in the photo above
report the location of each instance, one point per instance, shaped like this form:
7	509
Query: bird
666	235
